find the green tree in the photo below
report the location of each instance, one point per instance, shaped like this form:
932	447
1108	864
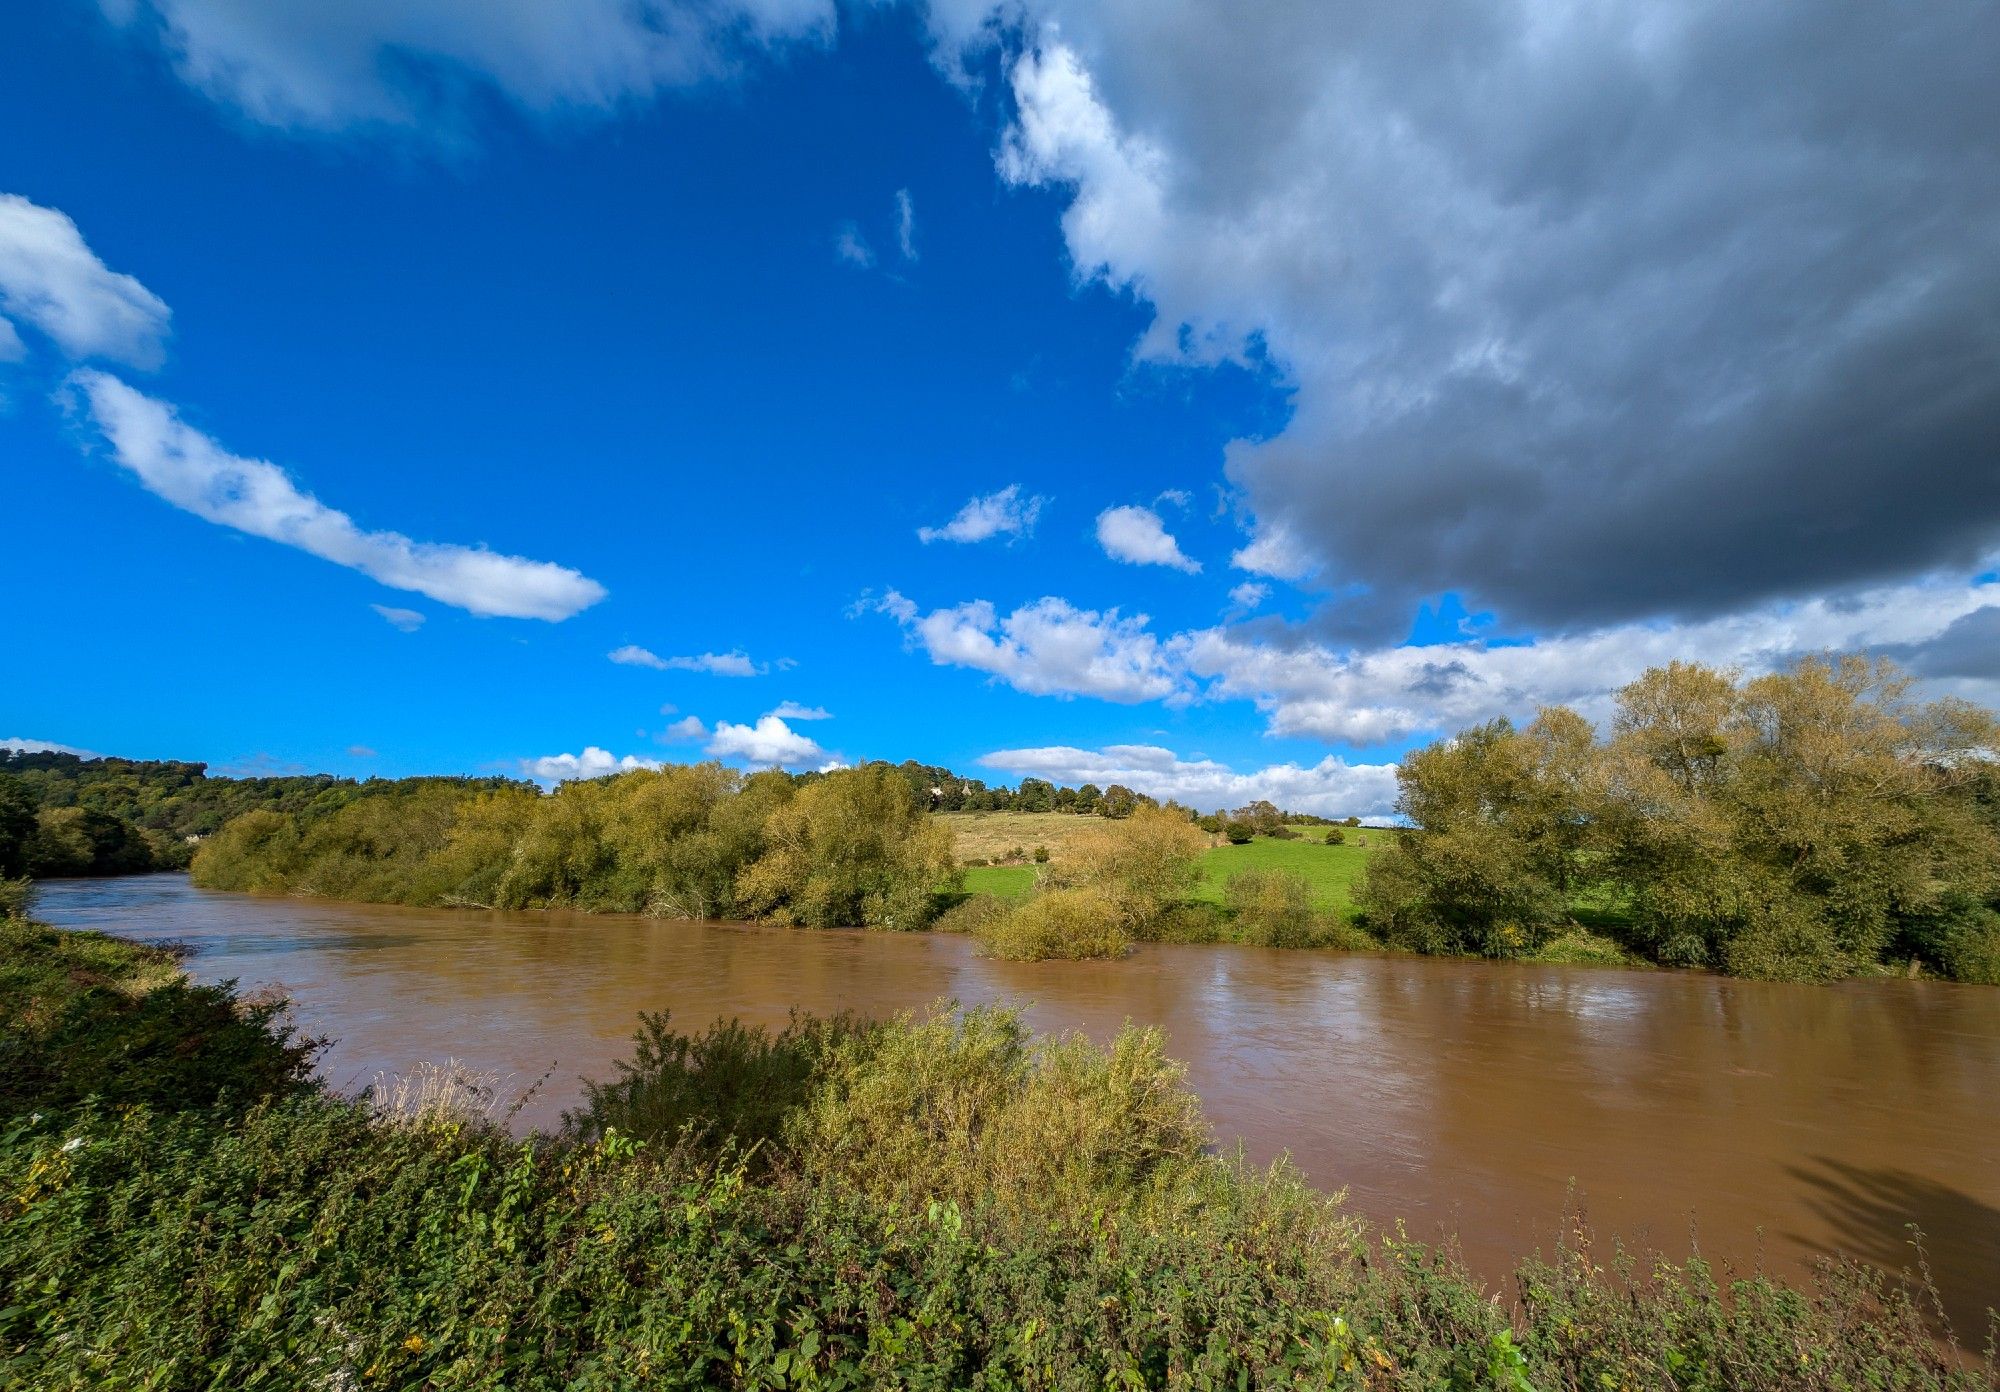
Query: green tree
850	849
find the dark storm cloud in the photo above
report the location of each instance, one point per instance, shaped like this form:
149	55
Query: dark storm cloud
1593	313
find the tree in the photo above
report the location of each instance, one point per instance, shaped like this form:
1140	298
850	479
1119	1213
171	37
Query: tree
1119	801
1264	818
848	850
1036	795
1499	817
17	827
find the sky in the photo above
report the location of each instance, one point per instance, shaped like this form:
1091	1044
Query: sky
1217	401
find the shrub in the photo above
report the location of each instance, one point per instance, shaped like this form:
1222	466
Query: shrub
971	914
14	897
964	1105
1335	836
1068	923
1971	951
1283	833
1145	864
730	1087
1272	908
94	1016
1239	833
1579	947
1041	855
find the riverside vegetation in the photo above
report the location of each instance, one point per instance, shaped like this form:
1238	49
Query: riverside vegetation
938	1200
1809	824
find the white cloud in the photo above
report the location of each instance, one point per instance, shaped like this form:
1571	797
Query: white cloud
408	620
906	225
1047	648
192	472
1136	536
592	763
11	347
1249	594
1275	552
1330	788
1003	513
51	279
851	247
685	730
361	751
306	65
734	663
1372	695
792	710
1367	696
35	746
769	741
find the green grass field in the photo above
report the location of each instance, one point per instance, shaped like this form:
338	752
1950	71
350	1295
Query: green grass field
1004	881
1333	871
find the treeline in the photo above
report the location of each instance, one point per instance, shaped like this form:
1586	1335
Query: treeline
945	791
62	814
846	848
932	1201
1805	825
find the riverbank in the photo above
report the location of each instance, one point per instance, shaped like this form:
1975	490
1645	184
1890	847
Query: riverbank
1066	1230
1773	1124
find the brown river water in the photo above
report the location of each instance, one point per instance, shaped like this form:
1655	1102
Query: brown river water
1763	1124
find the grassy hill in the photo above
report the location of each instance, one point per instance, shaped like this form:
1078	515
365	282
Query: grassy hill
1333	871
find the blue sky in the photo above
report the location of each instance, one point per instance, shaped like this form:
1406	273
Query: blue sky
1295	448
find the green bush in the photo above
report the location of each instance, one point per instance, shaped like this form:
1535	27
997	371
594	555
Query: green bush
15	896
944	1202
1335	837
730	1087
1970	952
1272	908
1041	855
1239	833
1070	923
1580	947
91	1016
966	1106
972	914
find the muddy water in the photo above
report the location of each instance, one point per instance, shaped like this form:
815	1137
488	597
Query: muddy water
1765	1123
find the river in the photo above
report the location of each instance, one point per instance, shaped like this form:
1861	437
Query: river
1766	1124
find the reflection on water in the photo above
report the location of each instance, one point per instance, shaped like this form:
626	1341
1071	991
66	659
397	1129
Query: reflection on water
1772	1122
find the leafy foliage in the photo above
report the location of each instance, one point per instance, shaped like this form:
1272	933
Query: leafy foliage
949	1203
1805	825
848	848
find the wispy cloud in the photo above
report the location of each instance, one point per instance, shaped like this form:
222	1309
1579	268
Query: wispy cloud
189	470
408	620
906	225
730	664
1005	513
52	280
792	710
851	247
